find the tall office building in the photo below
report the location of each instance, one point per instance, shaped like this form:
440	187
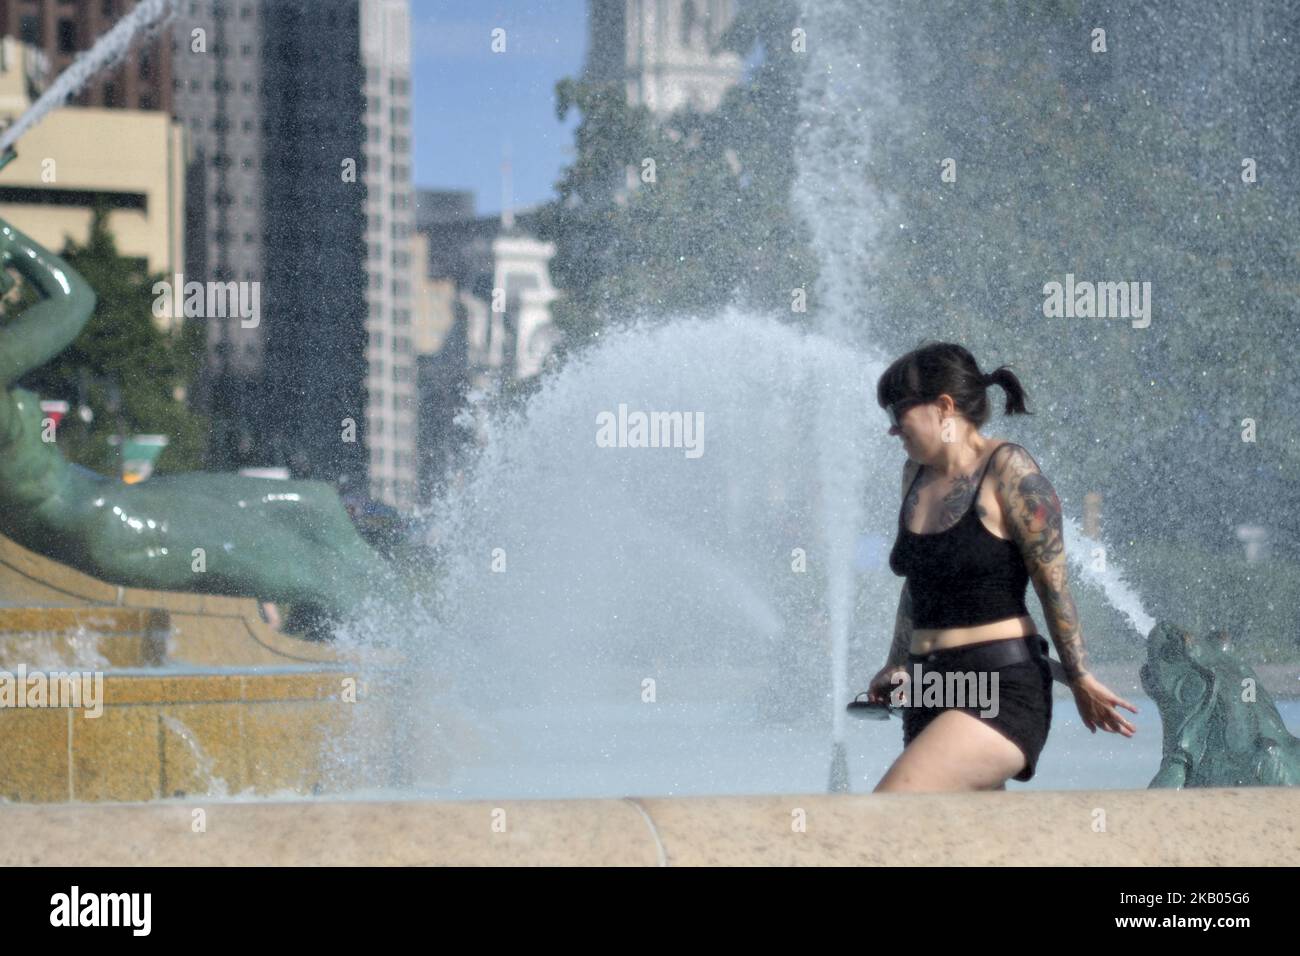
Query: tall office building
302	185
390	383
217	51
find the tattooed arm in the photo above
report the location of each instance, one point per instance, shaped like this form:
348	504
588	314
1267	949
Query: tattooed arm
902	643
1033	515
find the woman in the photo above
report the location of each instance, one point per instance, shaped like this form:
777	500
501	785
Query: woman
968	548
288	541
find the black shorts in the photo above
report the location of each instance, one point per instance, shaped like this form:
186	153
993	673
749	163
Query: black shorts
1024	697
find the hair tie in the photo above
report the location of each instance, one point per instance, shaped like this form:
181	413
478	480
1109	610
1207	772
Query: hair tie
986	380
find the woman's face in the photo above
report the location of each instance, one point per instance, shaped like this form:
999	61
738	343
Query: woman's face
920	428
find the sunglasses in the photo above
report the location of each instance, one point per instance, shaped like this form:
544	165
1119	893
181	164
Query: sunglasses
896	410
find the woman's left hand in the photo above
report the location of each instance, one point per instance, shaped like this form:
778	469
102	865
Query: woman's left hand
1096	706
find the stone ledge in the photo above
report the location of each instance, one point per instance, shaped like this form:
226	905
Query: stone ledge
1205	827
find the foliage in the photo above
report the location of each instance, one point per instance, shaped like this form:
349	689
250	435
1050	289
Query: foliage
122	365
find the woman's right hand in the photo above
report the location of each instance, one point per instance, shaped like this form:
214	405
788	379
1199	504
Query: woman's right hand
882	686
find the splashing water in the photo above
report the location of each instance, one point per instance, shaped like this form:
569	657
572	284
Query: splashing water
848	84
108	49
851	82
589	586
214	785
1085	552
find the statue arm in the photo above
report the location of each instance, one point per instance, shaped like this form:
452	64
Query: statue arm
45	329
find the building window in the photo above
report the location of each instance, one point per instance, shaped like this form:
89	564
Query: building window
67	36
688	22
146	101
107	10
110	94
29	30
245	12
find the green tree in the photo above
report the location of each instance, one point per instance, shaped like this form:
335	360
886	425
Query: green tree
124	368
714	227
1065	164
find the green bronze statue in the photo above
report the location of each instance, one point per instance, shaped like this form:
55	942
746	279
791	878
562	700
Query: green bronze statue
281	541
1221	728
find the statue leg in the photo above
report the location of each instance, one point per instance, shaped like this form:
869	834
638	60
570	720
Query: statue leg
279	541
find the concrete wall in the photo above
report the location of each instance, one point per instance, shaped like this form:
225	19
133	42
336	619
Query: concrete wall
1241	827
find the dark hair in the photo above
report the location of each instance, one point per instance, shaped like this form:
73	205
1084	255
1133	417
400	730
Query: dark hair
939	368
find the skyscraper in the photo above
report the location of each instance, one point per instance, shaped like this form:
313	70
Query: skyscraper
302	184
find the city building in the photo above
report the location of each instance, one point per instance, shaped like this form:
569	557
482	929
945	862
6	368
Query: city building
664	51
482	314
137	170
311	154
61	29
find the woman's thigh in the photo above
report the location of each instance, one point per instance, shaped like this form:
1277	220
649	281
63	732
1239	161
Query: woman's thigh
956	751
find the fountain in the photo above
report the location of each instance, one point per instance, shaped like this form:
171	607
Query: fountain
671	618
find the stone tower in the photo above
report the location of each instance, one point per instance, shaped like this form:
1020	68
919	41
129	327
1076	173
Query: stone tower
664	50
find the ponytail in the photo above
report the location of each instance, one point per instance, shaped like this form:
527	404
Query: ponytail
1011	385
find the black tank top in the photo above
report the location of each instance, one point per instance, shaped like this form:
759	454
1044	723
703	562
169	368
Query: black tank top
964	575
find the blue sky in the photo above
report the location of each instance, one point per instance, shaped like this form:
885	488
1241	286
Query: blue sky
469	104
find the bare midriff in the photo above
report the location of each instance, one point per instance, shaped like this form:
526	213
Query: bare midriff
924	641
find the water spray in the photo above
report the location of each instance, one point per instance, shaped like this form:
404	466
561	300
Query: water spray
107	51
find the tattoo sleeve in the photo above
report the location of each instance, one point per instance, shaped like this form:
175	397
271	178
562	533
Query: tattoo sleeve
902	644
1033	514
